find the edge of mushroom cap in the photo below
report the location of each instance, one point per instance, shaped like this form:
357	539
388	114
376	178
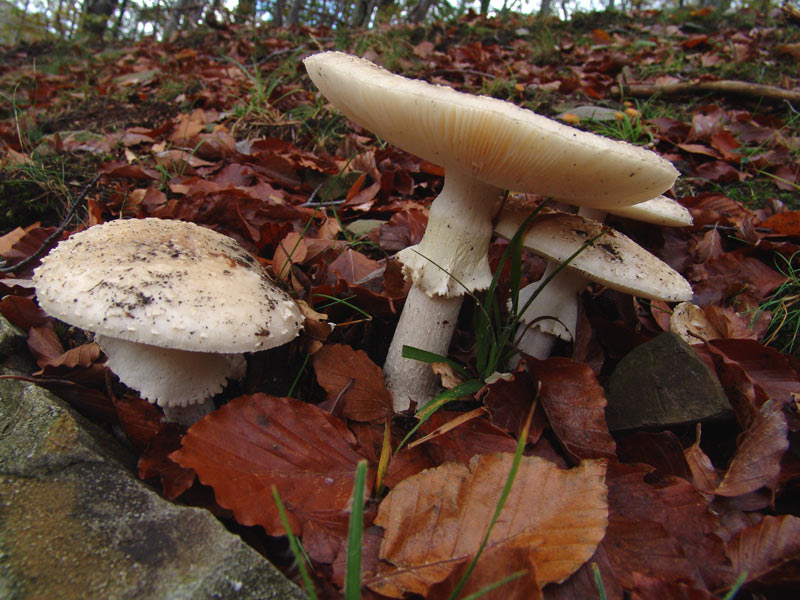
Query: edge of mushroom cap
658	211
613	260
167	283
525	152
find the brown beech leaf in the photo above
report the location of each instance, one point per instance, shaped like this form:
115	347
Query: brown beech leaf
757	461
80	356
784	223
769	552
257	441
44	344
435	521
765	367
353	382
661	526
575	405
508	403
460	444
704	476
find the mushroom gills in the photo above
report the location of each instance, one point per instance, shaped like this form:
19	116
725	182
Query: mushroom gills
170	377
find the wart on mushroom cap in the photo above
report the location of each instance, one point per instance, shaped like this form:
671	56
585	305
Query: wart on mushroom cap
485	145
173	304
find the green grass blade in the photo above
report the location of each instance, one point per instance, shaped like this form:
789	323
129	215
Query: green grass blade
737	585
432	357
598	581
294	545
512	475
465	389
352	577
494	585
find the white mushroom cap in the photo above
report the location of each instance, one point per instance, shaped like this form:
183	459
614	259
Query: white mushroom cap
658	211
488	139
166	283
613	260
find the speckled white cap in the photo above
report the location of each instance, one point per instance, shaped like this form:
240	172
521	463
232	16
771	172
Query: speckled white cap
613	259
166	283
494	141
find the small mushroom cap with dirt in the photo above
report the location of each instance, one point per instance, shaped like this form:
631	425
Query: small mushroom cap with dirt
172	304
167	283
613	259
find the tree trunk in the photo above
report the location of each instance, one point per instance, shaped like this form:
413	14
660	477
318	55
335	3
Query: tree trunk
420	11
96	14
484	7
294	12
544	8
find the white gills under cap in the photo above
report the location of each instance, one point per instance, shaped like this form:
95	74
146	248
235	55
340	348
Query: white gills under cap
613	259
166	283
491	140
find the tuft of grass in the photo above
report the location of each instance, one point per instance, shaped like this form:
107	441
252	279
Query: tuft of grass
784	306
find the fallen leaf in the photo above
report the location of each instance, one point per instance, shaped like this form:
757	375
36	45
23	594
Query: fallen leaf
756	462
769	552
575	405
353	382
435	521
257	441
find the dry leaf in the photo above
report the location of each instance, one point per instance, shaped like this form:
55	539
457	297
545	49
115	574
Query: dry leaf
353	382
257	441
435	521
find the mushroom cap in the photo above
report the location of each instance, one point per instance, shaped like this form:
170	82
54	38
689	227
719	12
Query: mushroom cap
491	140
166	283
613	260
658	211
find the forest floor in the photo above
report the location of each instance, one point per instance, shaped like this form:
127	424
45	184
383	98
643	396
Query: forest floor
223	127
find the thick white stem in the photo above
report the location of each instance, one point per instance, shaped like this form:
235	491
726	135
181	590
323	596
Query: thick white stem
426	323
450	260
452	256
553	313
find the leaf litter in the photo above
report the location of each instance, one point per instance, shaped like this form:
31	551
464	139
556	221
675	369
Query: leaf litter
669	513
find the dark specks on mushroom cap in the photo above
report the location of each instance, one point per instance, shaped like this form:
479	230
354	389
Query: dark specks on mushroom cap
166	283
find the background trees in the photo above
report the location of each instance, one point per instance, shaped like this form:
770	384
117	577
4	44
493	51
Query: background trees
28	20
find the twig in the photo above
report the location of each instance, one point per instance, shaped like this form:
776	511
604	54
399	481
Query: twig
725	86
59	230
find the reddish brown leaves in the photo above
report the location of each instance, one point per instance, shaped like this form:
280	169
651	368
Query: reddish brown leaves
257	441
757	461
575	405
769	552
353	382
434	521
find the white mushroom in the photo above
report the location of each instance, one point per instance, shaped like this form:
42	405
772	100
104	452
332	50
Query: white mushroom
485	145
172	304
613	260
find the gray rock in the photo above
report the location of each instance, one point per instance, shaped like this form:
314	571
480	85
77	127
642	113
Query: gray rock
76	524
14	355
663	383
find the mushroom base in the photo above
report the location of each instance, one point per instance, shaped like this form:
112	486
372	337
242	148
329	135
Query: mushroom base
170	377
427	323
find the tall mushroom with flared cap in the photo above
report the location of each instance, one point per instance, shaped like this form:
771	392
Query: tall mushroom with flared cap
172	304
613	260
485	145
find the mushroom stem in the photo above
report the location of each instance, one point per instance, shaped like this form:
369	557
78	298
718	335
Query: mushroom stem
452	257
450	260
552	315
427	323
189	415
